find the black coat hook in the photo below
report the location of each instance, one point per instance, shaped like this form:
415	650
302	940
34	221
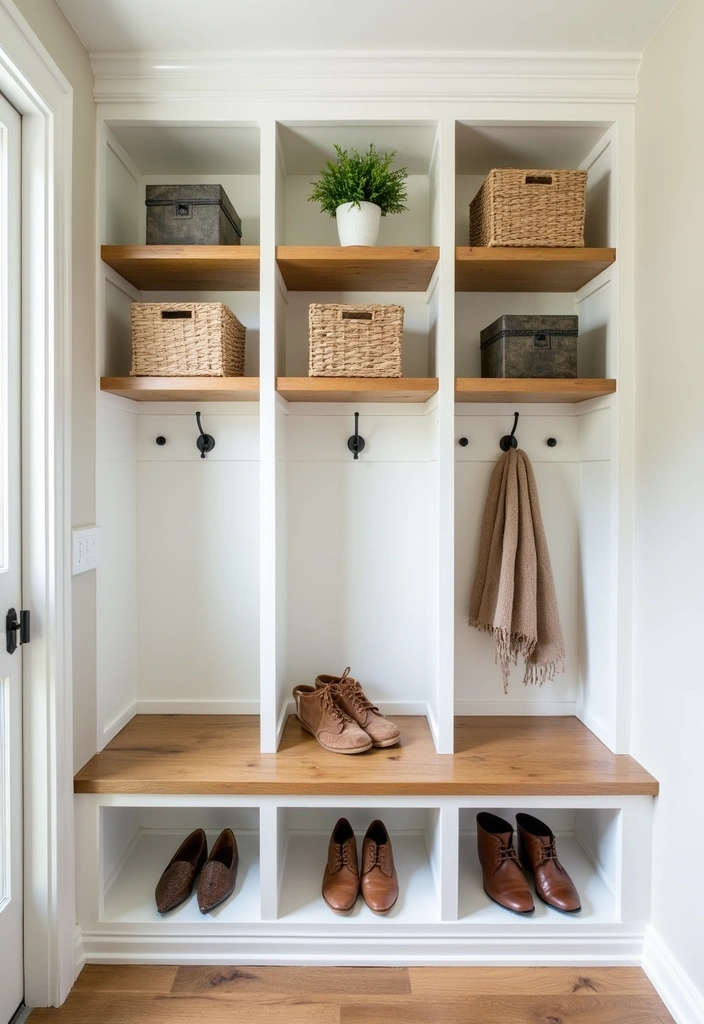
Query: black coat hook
205	443
356	442
508	440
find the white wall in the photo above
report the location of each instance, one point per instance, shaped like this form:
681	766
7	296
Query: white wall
669	499
52	28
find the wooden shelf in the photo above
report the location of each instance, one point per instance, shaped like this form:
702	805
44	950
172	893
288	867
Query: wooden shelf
521	389
183	389
356	389
497	269
499	756
397	268
186	267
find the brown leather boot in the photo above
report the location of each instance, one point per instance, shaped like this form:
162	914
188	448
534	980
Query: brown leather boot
379	879
504	882
351	698
341	876
333	729
536	847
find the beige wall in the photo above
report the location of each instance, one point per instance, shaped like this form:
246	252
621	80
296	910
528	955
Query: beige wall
54	31
669	431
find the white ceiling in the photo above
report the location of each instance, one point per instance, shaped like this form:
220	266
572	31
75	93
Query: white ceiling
225	26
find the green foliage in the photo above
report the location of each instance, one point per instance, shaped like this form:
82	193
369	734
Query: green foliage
361	177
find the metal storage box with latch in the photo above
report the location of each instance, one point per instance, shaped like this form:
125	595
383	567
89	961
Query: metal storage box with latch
191	215
530	346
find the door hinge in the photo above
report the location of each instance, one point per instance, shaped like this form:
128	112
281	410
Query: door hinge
13	626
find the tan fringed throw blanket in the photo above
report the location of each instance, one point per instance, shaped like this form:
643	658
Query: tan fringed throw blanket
513	595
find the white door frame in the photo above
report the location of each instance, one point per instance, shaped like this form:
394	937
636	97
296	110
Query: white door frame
36	88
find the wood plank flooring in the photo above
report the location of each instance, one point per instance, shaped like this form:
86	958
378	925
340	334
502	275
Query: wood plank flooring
350	995
499	756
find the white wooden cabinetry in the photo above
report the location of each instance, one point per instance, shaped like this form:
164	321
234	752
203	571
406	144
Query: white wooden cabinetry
226	581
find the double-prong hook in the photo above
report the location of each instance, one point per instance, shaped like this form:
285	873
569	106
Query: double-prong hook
205	442
356	442
509	440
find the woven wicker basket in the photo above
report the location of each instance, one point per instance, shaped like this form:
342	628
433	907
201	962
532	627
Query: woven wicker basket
186	339
355	340
520	207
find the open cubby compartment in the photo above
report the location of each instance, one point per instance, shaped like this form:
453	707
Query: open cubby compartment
590	147
178	587
302	849
135	155
576	488
174	153
603	844
357	551
124	844
302	152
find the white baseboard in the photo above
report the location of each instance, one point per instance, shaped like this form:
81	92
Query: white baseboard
674	986
79	957
473	708
197	707
111	729
269	945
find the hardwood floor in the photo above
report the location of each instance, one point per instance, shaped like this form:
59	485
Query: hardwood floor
350	995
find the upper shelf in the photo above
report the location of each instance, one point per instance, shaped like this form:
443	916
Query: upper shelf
390	268
506	269
186	267
183	389
356	389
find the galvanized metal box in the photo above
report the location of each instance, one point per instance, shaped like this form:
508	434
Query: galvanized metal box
191	215
530	346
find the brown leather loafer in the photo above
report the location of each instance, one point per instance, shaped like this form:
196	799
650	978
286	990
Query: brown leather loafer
379	879
335	731
504	882
176	882
536	848
341	876
219	874
351	698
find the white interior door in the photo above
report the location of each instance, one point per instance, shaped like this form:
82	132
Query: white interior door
11	934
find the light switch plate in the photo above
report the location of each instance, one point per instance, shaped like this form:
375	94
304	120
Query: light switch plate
85	544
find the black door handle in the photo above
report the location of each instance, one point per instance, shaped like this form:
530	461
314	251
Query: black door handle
13	625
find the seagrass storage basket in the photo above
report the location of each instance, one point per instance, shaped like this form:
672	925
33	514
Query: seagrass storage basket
355	340
529	207
186	339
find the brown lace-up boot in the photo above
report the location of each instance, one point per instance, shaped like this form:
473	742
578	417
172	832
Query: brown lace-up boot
504	882
351	698
341	877
333	729
536	845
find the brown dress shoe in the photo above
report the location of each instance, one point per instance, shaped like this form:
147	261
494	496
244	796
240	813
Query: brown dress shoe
536	846
379	879
333	729
351	698
219	874
176	882
504	882
341	876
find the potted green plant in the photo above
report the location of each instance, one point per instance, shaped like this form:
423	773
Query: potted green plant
358	189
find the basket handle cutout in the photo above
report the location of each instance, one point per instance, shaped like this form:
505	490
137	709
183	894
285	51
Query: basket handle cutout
177	314
538	179
351	314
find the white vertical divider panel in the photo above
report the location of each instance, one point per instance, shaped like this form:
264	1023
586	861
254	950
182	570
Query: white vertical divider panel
634	887
441	700
449	851
269	858
269	555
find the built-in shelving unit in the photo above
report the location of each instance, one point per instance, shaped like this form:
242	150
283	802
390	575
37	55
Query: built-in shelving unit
502	269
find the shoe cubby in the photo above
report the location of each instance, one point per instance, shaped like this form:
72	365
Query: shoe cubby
303	837
136	841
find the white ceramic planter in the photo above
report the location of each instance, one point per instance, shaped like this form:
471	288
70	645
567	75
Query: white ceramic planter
358	225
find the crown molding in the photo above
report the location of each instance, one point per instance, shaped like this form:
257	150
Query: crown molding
407	76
